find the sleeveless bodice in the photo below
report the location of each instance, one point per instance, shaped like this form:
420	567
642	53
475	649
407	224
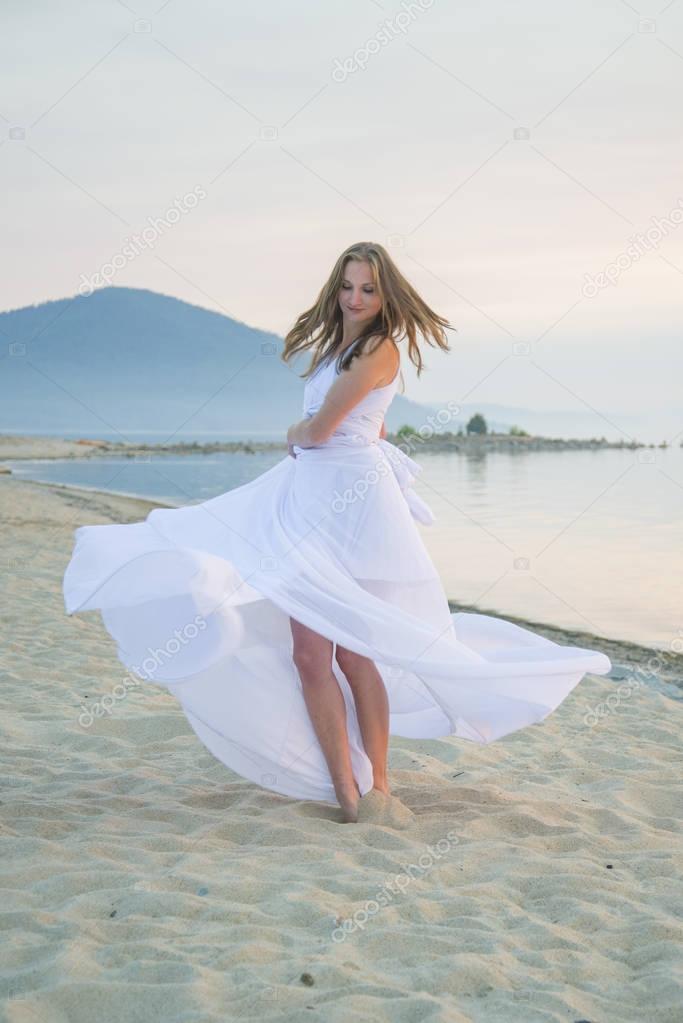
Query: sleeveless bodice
357	435
363	423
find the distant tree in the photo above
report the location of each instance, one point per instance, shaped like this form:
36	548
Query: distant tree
477	424
516	431
406	431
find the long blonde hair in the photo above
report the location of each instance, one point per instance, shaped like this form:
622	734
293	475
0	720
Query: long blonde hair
403	313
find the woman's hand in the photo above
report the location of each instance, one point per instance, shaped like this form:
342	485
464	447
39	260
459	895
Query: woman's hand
300	435
295	436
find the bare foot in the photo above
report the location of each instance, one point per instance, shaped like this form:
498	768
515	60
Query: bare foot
349	813
348	802
376	808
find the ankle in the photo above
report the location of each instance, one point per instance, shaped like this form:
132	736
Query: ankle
347	793
381	783
348	799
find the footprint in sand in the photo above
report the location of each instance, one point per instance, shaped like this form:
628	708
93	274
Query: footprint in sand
376	808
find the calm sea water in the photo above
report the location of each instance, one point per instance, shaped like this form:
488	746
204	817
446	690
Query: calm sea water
583	539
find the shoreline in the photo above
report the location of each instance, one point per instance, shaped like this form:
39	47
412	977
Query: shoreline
127	494
24	447
627	657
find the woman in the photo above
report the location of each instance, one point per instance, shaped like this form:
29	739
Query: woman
299	619
364	305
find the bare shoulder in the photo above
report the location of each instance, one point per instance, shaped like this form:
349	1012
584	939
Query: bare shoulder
384	360
391	360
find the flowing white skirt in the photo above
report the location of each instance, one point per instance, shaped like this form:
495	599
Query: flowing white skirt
199	600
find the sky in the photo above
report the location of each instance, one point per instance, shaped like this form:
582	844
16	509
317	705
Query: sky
521	163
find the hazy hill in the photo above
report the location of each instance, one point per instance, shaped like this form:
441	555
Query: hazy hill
134	361
128	363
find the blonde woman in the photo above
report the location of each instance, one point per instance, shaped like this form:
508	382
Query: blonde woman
365	307
299	619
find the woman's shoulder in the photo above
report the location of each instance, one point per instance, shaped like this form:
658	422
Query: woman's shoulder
388	355
390	345
383	355
387	346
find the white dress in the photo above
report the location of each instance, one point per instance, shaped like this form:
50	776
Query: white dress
199	599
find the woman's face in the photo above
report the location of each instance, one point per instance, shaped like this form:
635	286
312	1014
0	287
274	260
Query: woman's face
358	298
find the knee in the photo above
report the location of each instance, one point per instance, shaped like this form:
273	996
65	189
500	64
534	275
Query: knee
309	662
348	659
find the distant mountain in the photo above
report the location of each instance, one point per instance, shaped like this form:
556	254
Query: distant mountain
133	362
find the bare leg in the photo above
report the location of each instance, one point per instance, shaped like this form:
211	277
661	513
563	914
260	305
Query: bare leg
372	708
312	656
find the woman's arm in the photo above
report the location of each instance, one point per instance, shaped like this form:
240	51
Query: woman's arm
383	431
365	373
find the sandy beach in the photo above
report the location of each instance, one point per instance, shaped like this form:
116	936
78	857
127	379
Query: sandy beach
538	880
